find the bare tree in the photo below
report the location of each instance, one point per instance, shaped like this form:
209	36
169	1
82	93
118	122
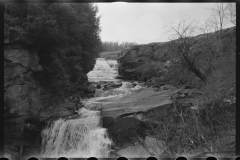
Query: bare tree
182	36
207	28
219	15
231	12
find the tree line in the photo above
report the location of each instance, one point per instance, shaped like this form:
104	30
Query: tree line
69	36
116	46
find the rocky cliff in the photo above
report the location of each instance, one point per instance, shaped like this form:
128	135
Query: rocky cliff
31	96
139	62
161	60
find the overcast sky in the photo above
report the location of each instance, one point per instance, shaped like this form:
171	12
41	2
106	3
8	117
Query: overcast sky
145	22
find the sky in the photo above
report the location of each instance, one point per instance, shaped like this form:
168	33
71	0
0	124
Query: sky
145	22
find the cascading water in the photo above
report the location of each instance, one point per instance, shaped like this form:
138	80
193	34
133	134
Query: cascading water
81	137
104	70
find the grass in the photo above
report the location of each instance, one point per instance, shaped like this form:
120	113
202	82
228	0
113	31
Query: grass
210	129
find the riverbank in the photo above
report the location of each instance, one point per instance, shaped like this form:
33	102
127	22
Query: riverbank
168	116
201	116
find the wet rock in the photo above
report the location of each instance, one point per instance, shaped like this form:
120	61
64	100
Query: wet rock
32	130
57	111
107	121
111	85
141	101
134	84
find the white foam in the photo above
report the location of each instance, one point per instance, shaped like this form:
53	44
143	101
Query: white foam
74	138
103	70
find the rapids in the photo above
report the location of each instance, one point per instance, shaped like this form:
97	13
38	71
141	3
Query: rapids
84	136
104	70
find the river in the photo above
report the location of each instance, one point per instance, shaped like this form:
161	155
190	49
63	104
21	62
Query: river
84	136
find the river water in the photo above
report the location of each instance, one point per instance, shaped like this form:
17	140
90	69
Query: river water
84	136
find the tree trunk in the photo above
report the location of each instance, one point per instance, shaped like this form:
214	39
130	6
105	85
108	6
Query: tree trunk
199	74
192	68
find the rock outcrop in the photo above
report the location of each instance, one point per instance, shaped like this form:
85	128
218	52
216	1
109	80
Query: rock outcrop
162	61
23	95
29	101
138	102
142	62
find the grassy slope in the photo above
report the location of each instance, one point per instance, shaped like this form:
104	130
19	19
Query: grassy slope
210	129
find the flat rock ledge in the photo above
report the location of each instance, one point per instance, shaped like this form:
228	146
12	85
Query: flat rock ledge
138	102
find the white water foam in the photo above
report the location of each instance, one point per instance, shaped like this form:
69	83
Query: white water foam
103	70
126	85
82	137
111	95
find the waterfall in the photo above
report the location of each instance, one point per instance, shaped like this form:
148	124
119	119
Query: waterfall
81	137
103	70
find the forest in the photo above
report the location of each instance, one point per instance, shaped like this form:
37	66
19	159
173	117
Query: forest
68	39
48	50
116	46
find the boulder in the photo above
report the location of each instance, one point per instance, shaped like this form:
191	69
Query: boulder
123	130
111	85
107	121
125	126
154	146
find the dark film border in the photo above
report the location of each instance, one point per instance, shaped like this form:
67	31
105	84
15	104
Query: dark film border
146	1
